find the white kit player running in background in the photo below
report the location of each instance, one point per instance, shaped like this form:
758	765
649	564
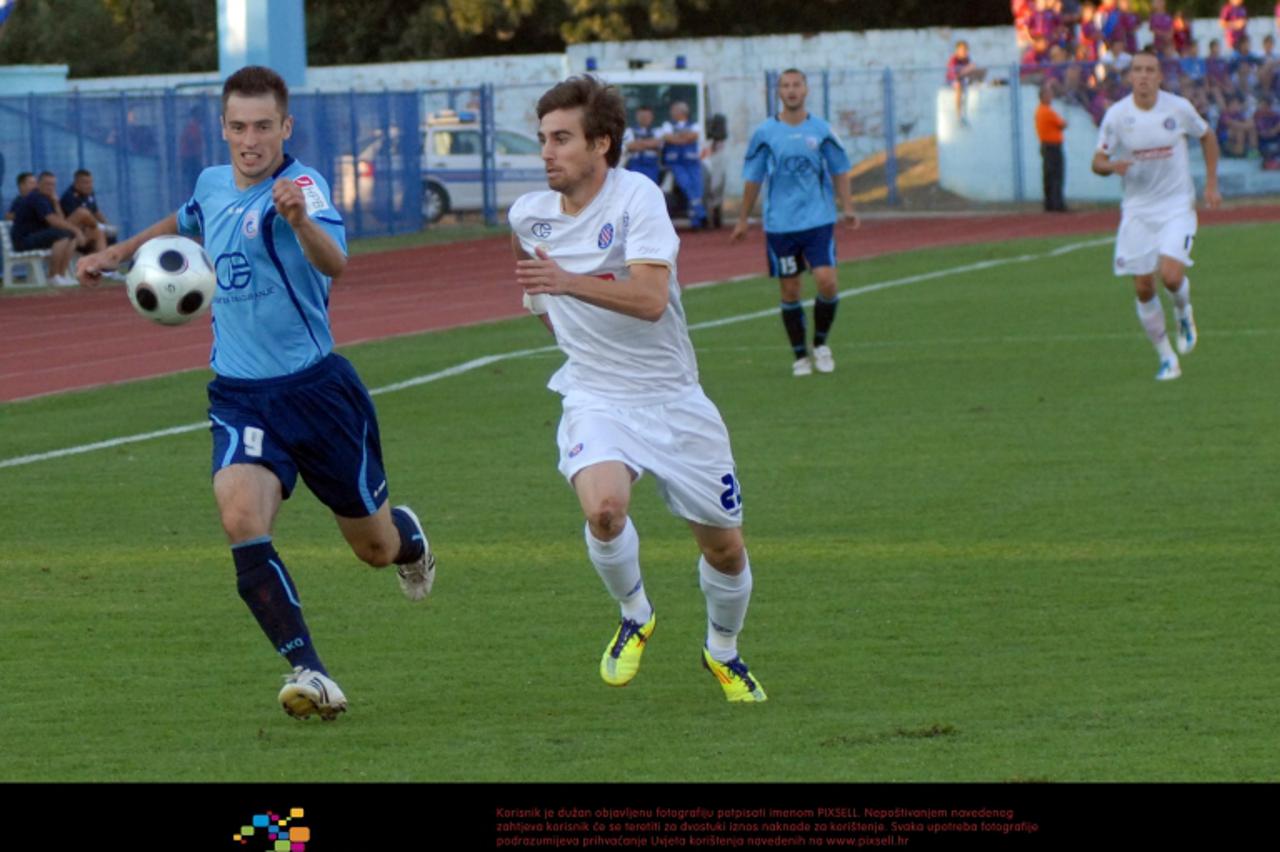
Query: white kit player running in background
596	257
1143	138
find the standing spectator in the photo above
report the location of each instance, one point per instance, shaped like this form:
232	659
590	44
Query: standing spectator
1049	127
80	206
1266	122
1045	22
1233	19
37	224
1022	12
1161	24
642	145
26	183
1182	36
1131	22
1090	38
680	154
1070	13
191	147
960	72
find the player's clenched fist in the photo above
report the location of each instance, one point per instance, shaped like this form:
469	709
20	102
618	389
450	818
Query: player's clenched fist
290	204
542	274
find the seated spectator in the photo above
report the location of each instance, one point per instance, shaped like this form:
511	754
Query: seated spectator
961	72
1192	64
1170	70
1075	86
1182	36
1161	24
1069	14
80	206
1270	64
1236	133
1243	54
1034	60
26	183
1233	19
38	225
1197	93
1055	73
1266	122
1217	74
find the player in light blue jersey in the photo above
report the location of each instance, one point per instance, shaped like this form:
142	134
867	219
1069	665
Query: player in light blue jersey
283	403
808	175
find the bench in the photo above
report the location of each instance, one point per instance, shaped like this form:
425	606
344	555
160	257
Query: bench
35	262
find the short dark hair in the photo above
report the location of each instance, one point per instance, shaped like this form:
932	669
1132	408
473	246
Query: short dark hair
603	112
46	174
254	80
22	176
793	71
82	173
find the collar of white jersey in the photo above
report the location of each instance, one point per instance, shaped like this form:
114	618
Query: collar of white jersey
608	179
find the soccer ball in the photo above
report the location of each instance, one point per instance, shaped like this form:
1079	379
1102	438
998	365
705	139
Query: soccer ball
172	280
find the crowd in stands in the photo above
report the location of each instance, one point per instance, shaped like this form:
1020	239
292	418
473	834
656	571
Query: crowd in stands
1082	52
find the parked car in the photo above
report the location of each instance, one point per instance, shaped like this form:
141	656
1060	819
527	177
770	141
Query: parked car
450	165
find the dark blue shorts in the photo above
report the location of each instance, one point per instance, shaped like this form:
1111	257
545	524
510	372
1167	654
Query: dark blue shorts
42	239
792	252
319	422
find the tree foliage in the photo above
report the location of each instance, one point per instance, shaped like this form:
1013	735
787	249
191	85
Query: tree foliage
114	37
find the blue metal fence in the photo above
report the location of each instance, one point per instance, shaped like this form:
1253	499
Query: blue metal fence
146	149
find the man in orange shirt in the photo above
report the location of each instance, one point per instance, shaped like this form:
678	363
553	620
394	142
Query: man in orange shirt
1049	127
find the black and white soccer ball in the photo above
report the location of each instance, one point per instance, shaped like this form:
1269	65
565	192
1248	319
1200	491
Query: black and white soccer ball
172	280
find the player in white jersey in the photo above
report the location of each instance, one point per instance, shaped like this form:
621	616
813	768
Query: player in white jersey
596	256
1143	138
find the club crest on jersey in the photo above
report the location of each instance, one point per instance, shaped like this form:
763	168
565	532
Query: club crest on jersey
577	448
250	226
812	142
606	236
1169	124
541	230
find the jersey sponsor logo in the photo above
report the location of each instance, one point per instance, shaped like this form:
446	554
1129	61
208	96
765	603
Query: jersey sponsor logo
541	230
605	239
577	448
313	195
1169	124
250	226
796	165
1162	153
304	181
234	271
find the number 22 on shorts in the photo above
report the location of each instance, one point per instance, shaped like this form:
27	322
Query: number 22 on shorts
730	498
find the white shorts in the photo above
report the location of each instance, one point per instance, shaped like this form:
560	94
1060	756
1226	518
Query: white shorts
1143	240
683	443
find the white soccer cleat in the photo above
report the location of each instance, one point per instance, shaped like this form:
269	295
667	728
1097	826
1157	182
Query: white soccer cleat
802	367
306	692
417	578
1186	338
822	359
1169	370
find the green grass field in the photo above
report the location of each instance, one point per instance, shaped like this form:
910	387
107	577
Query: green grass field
988	548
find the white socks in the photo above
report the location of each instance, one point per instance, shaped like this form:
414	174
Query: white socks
1182	296
1151	315
727	599
618	564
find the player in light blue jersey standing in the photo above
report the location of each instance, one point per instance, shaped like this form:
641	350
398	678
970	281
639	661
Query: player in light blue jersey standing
808	174
283	403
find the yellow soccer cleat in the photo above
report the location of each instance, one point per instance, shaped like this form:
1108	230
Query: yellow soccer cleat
737	682
621	658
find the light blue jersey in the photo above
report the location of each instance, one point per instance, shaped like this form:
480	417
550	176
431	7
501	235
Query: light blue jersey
799	162
271	313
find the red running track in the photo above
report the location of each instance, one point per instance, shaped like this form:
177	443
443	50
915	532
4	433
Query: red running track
63	340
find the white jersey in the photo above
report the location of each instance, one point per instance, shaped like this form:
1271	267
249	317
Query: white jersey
1155	141
611	355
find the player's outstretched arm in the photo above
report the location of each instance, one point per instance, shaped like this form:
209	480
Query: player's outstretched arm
643	295
750	192
319	248
90	268
1209	145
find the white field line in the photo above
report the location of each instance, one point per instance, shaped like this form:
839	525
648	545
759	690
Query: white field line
486	360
